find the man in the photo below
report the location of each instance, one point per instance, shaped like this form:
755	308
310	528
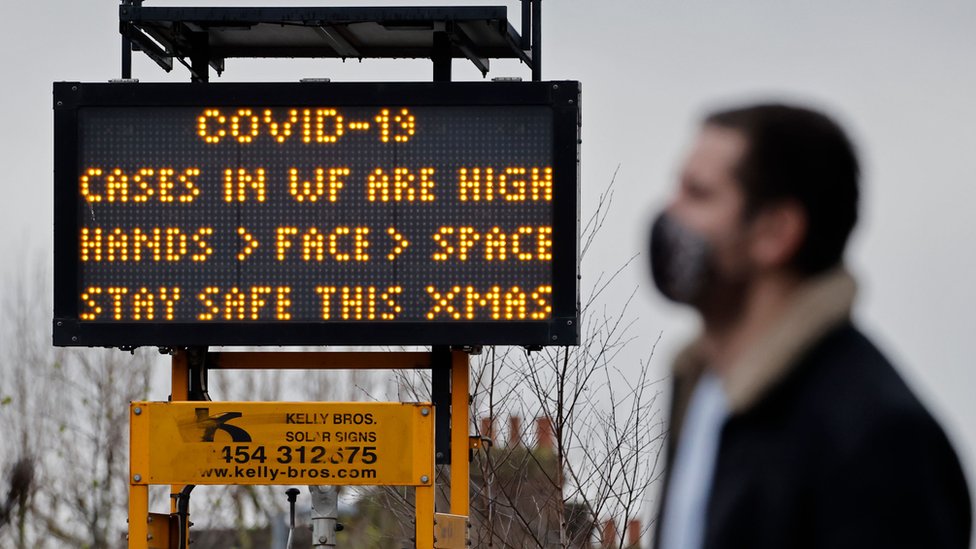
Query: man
790	430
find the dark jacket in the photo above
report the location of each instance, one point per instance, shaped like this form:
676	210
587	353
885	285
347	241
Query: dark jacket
826	447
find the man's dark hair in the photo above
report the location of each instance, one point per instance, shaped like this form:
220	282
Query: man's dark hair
798	154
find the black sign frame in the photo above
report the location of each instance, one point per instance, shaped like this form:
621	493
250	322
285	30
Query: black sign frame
561	328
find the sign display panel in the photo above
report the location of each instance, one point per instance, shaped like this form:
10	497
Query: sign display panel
316	213
282	443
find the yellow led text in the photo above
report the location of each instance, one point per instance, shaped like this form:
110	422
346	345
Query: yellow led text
512	184
359	302
524	244
465	303
280	130
244	304
123	304
406	122
157	244
399	243
141	185
309	125
238	182
340	244
307	190
249	244
400	186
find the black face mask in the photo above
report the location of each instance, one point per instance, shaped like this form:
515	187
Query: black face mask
681	260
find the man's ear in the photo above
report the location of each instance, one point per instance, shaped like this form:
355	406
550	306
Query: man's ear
778	232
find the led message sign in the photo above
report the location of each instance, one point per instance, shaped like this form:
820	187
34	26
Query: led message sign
316	213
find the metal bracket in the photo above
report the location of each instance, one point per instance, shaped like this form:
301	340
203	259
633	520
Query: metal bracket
337	41
478	443
163	530
451	531
147	45
537	40
325	513
464	43
472	350
196	359
183	515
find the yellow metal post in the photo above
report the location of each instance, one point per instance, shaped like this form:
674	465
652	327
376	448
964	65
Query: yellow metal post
161	527
138	469
178	392
424	496
425	516
459	434
181	376
138	516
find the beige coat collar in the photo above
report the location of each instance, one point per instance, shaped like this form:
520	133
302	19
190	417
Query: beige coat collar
818	306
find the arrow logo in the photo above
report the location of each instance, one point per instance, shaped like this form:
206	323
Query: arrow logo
211	424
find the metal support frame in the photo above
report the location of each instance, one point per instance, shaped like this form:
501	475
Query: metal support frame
451	398
442	57
424	509
126	57
460	448
178	392
337	41
440	397
197	374
338	360
183	516
537	40
185	37
189	382
127	45
200	56
196	388
141	41
325	515
138	516
465	44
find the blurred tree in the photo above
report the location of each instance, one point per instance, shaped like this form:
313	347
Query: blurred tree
64	415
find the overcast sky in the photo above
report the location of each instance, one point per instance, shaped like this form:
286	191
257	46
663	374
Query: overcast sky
899	74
